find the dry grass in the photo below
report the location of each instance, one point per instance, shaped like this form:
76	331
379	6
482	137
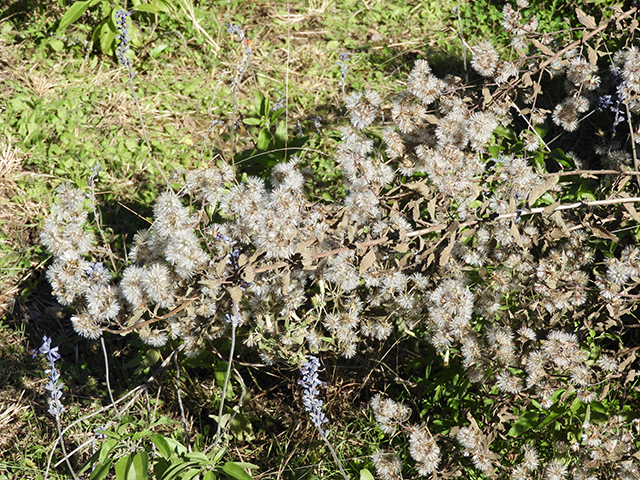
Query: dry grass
16	234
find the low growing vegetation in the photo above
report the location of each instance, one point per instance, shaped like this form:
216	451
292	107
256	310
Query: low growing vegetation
428	269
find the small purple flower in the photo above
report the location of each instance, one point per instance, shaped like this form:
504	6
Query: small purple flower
344	68
279	104
311	382
604	102
45	349
123	38
54	386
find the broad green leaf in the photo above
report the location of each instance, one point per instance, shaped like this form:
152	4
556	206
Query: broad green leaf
276	114
281	134
235	471
209	476
146	7
576	405
252	121
560	157
198	456
526	421
106	449
101	470
250	466
541	129
264	139
165	6
124	469
155	52
56	44
552	417
174	470
74	12
366	474
506	132
142	434
190	474
162	445
141	465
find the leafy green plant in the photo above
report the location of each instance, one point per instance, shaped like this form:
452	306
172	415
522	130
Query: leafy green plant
132	450
105	32
272	142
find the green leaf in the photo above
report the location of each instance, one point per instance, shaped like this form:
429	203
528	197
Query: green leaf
190	474
576	405
101	34
147	7
101	470
250	466
541	129
506	132
56	45
162	445
560	157
234	470
142	434
366	474
276	114
155	52
124	469
264	139
174	470
209	476
526	422
281	134
552	417
141	465
74	12
198	457
106	449
251	121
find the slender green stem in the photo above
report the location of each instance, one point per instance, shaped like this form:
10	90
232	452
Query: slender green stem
106	370
333	453
64	449
234	322
142	125
182	416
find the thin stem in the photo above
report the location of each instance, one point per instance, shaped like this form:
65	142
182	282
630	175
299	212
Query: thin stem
144	130
182	416
333	453
96	216
633	140
464	45
64	449
234	323
106	369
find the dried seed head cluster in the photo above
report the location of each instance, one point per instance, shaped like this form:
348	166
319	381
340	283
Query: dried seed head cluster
485	59
449	231
422	446
475	445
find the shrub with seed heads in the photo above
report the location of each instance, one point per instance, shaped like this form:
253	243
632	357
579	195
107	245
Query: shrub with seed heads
463	228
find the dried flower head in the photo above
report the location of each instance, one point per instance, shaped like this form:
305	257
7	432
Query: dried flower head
485	59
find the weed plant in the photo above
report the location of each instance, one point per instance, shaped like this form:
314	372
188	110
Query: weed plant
481	233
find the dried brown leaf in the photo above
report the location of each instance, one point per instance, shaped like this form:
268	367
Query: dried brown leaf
586	20
539	190
367	260
446	253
